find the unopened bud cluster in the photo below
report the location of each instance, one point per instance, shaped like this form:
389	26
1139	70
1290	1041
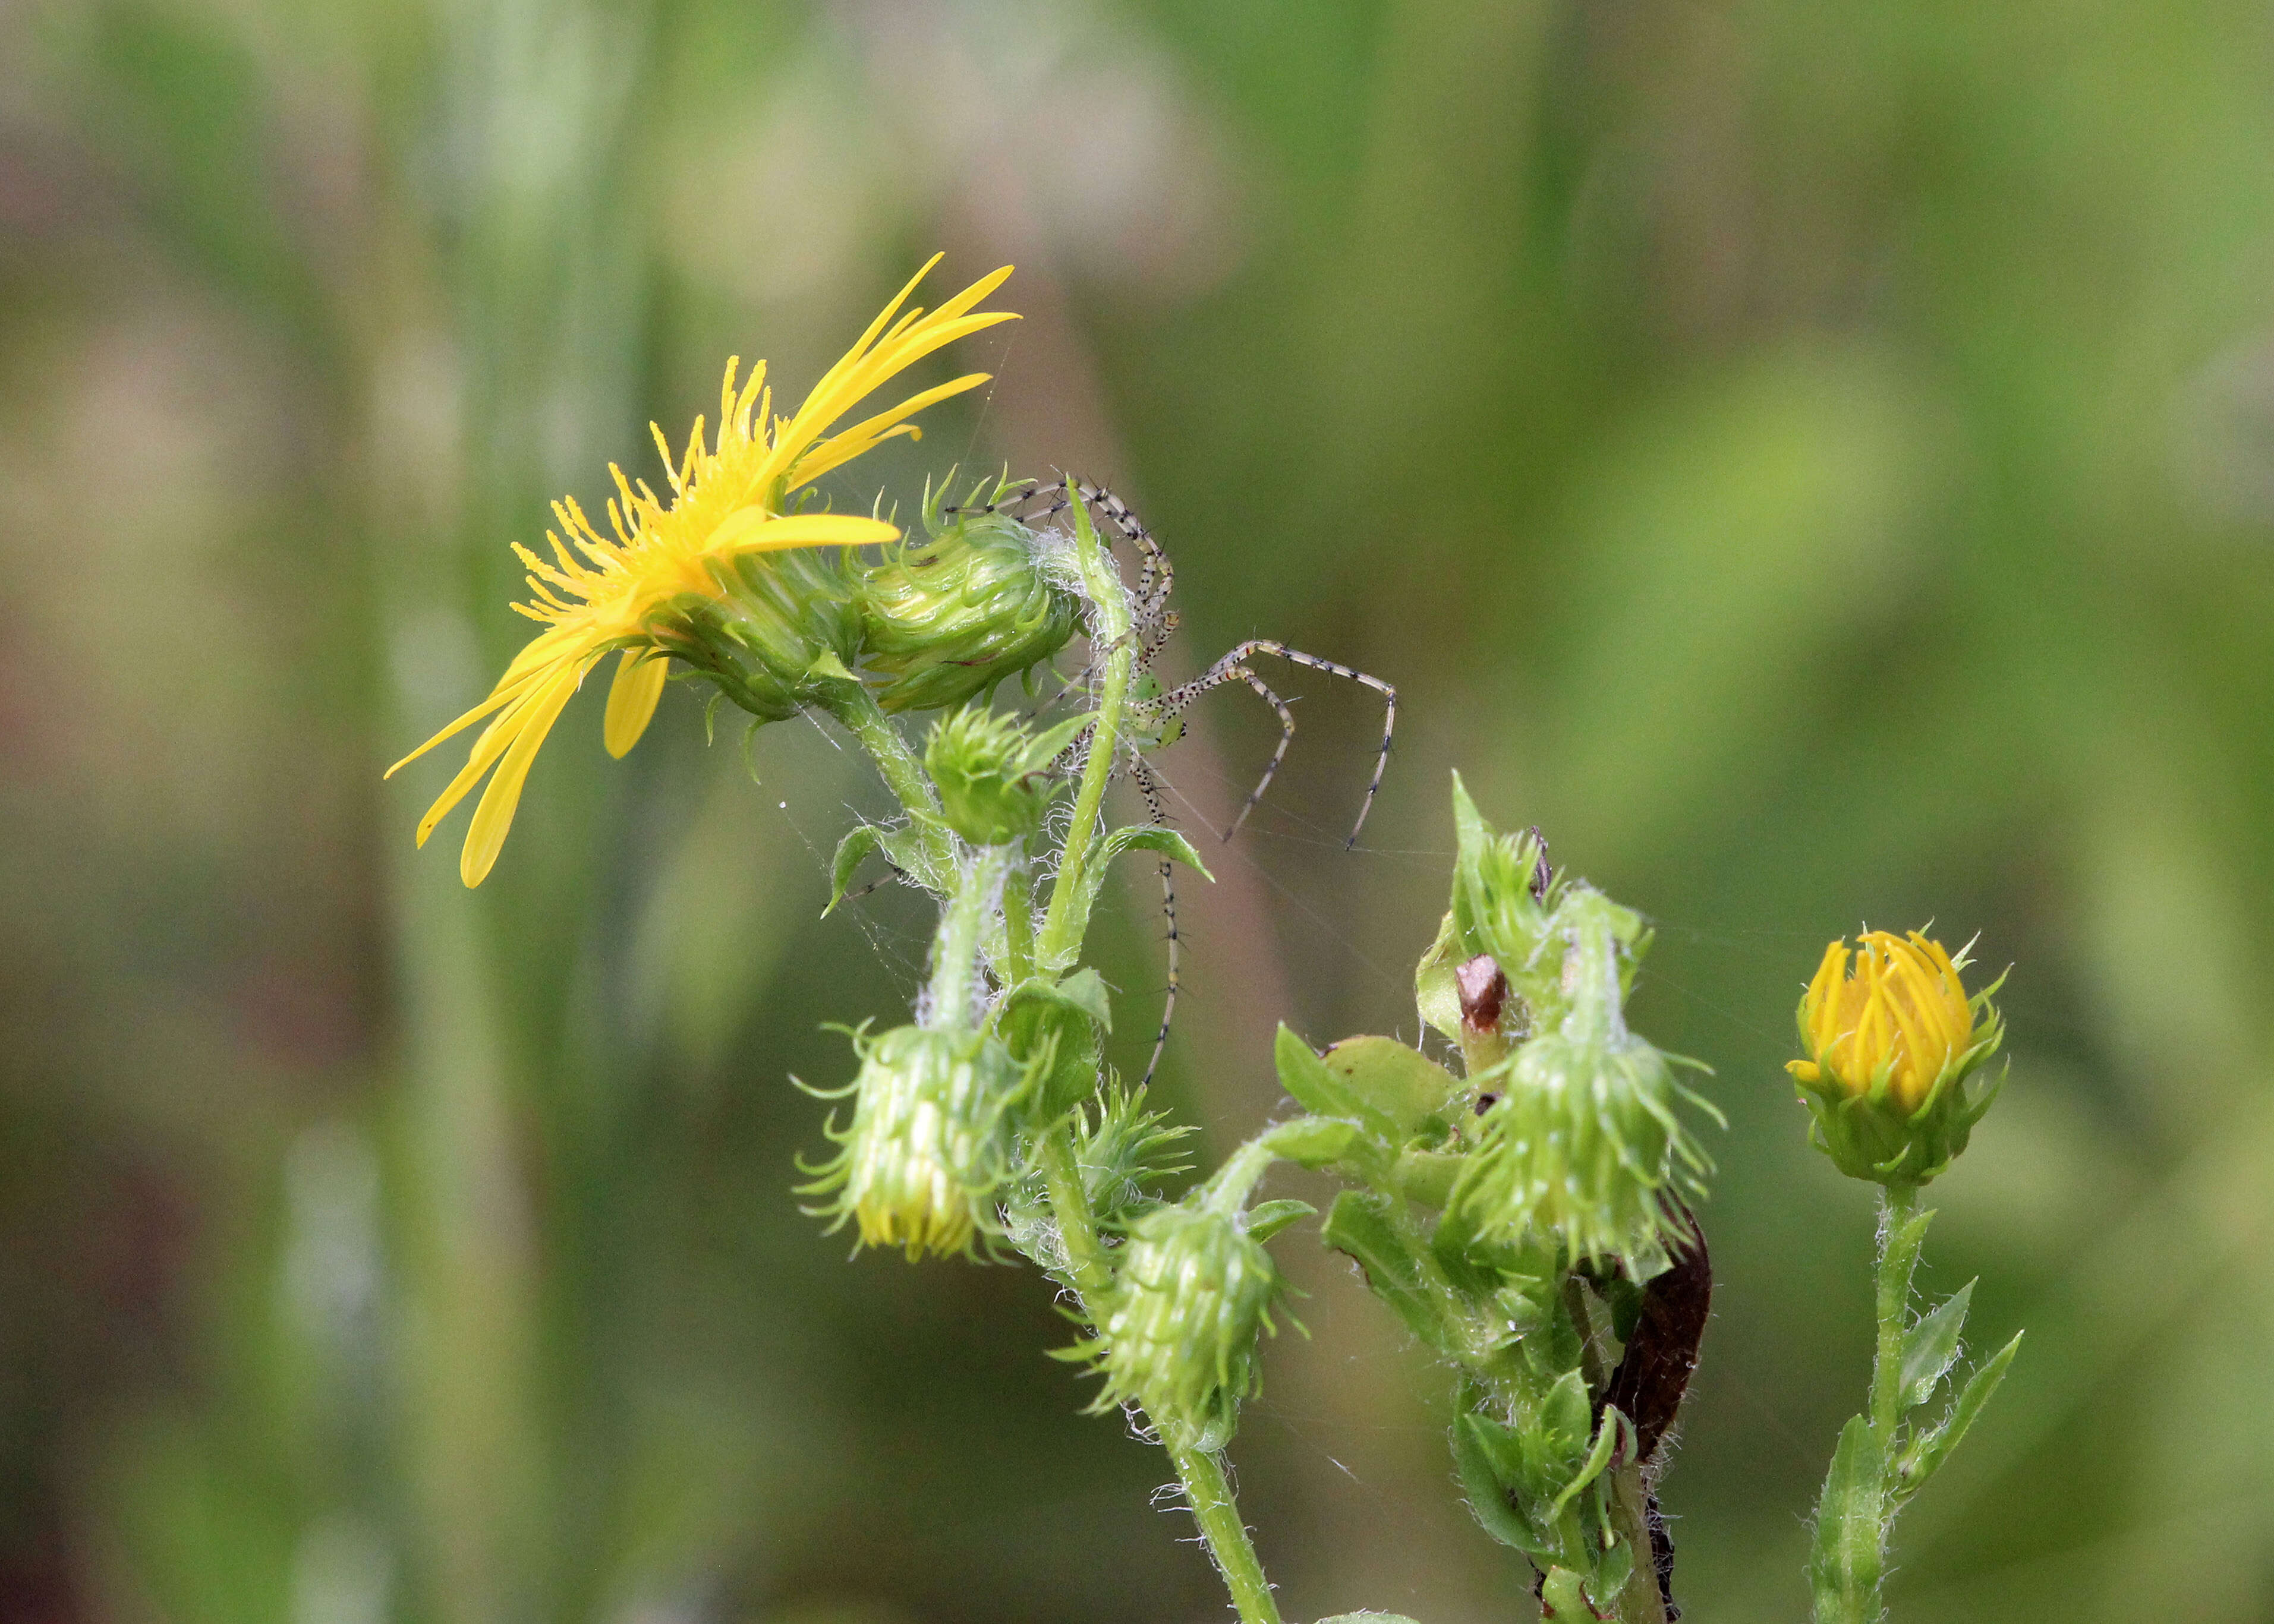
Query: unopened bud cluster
1580	1134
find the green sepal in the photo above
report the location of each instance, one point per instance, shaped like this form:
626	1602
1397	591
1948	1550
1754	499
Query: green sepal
1368	1618
1265	1219
1930	1449
1312	1141
1401	1083
1931	1348
1358	1226
1845	1563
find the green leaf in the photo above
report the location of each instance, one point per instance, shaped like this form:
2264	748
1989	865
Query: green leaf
1436	991
1931	1347
1358	1226
1073	1018
1606	1438
1928	1452
1308	1079
1152	838
1481	1447
1265	1219
858	842
1401	1083
1312	1141
1844	1566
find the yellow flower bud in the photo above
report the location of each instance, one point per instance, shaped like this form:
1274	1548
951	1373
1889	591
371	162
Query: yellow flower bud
1891	1037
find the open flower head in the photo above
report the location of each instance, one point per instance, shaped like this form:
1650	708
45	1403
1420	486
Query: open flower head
1893	1044
667	562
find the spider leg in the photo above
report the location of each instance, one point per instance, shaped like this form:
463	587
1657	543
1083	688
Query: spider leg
1260	645
1286	737
855	894
1150	788
1156	577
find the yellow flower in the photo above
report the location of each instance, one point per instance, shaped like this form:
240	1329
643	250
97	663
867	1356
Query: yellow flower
725	501
1901	1017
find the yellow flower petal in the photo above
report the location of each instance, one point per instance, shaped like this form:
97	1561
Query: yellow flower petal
599	591
632	698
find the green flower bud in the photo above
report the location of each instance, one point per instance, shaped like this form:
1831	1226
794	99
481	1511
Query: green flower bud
952	616
1584	1141
1193	1291
784	625
929	1145
1582	1138
1896	1049
993	775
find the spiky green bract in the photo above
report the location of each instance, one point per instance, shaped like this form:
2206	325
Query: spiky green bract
1193	1292
784	626
1871	1135
993	775
1122	1150
929	1145
952	615
1584	1140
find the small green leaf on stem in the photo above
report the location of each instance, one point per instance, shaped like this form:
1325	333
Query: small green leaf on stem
1844	1567
1931	1347
1929	1452
1265	1219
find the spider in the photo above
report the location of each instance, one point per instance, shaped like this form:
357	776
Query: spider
1156	714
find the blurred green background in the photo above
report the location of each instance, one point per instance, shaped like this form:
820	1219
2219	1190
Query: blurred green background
1815	460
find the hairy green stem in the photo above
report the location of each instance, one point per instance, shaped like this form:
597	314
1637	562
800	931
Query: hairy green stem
1018	917
1068	919
962	926
1209	1495
1206	1489
1898	1258
1085	1253
856	711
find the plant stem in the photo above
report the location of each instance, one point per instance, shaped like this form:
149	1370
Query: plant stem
955	948
856	711
1206	1490
1899	1250
1210	1496
1067	921
1018	917
1085	1253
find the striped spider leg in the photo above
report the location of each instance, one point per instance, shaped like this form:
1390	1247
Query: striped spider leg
1233	666
1149	787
